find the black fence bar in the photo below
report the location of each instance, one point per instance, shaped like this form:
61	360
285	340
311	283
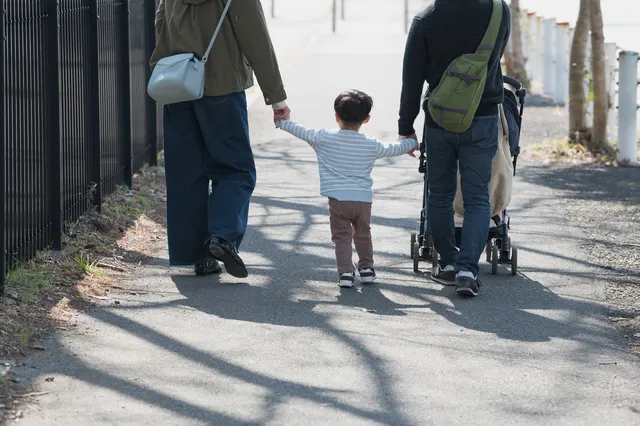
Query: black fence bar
93	101
3	150
54	194
75	118
125	73
151	113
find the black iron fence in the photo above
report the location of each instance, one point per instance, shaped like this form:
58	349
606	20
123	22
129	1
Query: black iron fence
75	118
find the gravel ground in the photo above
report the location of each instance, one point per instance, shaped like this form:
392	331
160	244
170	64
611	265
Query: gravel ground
604	203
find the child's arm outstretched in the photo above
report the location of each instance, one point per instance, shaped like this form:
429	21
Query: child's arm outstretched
310	136
404	146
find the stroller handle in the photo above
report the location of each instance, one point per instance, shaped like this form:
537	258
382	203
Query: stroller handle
512	82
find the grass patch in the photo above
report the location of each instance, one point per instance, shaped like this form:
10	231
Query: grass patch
42	293
29	279
563	151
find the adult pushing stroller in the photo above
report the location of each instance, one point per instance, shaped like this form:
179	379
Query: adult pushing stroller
499	249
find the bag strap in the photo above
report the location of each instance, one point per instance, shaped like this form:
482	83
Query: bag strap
215	34
488	42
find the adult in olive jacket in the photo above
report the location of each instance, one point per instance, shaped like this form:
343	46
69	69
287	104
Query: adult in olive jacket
208	140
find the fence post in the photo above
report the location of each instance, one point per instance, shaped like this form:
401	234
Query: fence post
334	14
539	65
55	151
531	29
549	74
94	106
406	16
563	54
628	109
151	119
3	223
126	112
611	51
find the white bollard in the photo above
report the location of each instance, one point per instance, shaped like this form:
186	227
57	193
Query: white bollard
611	57
539	67
531	46
549	57
627	110
563	53
524	32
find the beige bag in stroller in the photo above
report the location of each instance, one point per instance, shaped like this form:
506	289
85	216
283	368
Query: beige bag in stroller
501	174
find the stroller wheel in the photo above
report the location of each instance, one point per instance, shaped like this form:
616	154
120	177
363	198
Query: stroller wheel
414	237
416	257
488	250
495	258
514	260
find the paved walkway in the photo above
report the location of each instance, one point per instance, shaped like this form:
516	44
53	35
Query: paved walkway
286	346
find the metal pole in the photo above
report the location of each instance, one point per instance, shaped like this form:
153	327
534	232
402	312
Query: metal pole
628	108
273	8
151	116
406	16
334	12
3	223
93	94
549	56
611	51
55	143
125	74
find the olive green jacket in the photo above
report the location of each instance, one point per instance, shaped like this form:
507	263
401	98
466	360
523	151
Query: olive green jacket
243	45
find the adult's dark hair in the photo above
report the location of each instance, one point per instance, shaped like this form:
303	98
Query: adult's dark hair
353	106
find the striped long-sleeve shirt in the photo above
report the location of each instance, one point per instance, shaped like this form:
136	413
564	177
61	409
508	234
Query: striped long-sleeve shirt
346	159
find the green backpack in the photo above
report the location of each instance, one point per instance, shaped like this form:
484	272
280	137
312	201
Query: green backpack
454	102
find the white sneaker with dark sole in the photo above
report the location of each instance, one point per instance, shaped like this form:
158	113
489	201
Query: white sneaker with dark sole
367	275
347	279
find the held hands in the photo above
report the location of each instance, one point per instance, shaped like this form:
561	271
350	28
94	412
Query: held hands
412	152
281	114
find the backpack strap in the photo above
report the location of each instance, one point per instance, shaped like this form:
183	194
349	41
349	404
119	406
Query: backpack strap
488	42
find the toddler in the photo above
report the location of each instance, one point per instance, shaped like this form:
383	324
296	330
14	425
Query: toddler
345	159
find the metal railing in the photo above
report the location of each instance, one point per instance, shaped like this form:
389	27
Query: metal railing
75	120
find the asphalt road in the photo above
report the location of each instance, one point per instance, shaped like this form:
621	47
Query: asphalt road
287	346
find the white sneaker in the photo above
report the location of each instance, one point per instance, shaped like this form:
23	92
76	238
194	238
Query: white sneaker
367	275
347	279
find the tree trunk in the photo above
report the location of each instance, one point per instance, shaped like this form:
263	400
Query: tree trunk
515	60
598	142
577	96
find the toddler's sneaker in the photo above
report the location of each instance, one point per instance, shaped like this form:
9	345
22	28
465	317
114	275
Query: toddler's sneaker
347	279
367	275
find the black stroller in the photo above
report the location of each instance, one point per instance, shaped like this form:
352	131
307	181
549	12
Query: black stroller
499	249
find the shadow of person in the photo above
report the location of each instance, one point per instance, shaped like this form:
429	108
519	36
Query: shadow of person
519	308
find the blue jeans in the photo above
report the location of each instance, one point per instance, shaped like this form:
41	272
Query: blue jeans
474	151
207	141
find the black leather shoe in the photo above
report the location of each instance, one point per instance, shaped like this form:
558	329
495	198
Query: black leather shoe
209	267
226	253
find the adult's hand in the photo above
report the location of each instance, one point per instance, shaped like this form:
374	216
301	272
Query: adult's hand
281	114
413	136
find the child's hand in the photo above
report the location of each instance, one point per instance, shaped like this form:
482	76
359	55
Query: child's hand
412	152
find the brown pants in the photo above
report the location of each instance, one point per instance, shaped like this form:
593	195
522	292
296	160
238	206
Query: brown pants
351	220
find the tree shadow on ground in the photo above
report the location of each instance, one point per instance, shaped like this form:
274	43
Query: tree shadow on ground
510	308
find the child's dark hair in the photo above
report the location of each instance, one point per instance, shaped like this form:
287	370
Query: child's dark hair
353	106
